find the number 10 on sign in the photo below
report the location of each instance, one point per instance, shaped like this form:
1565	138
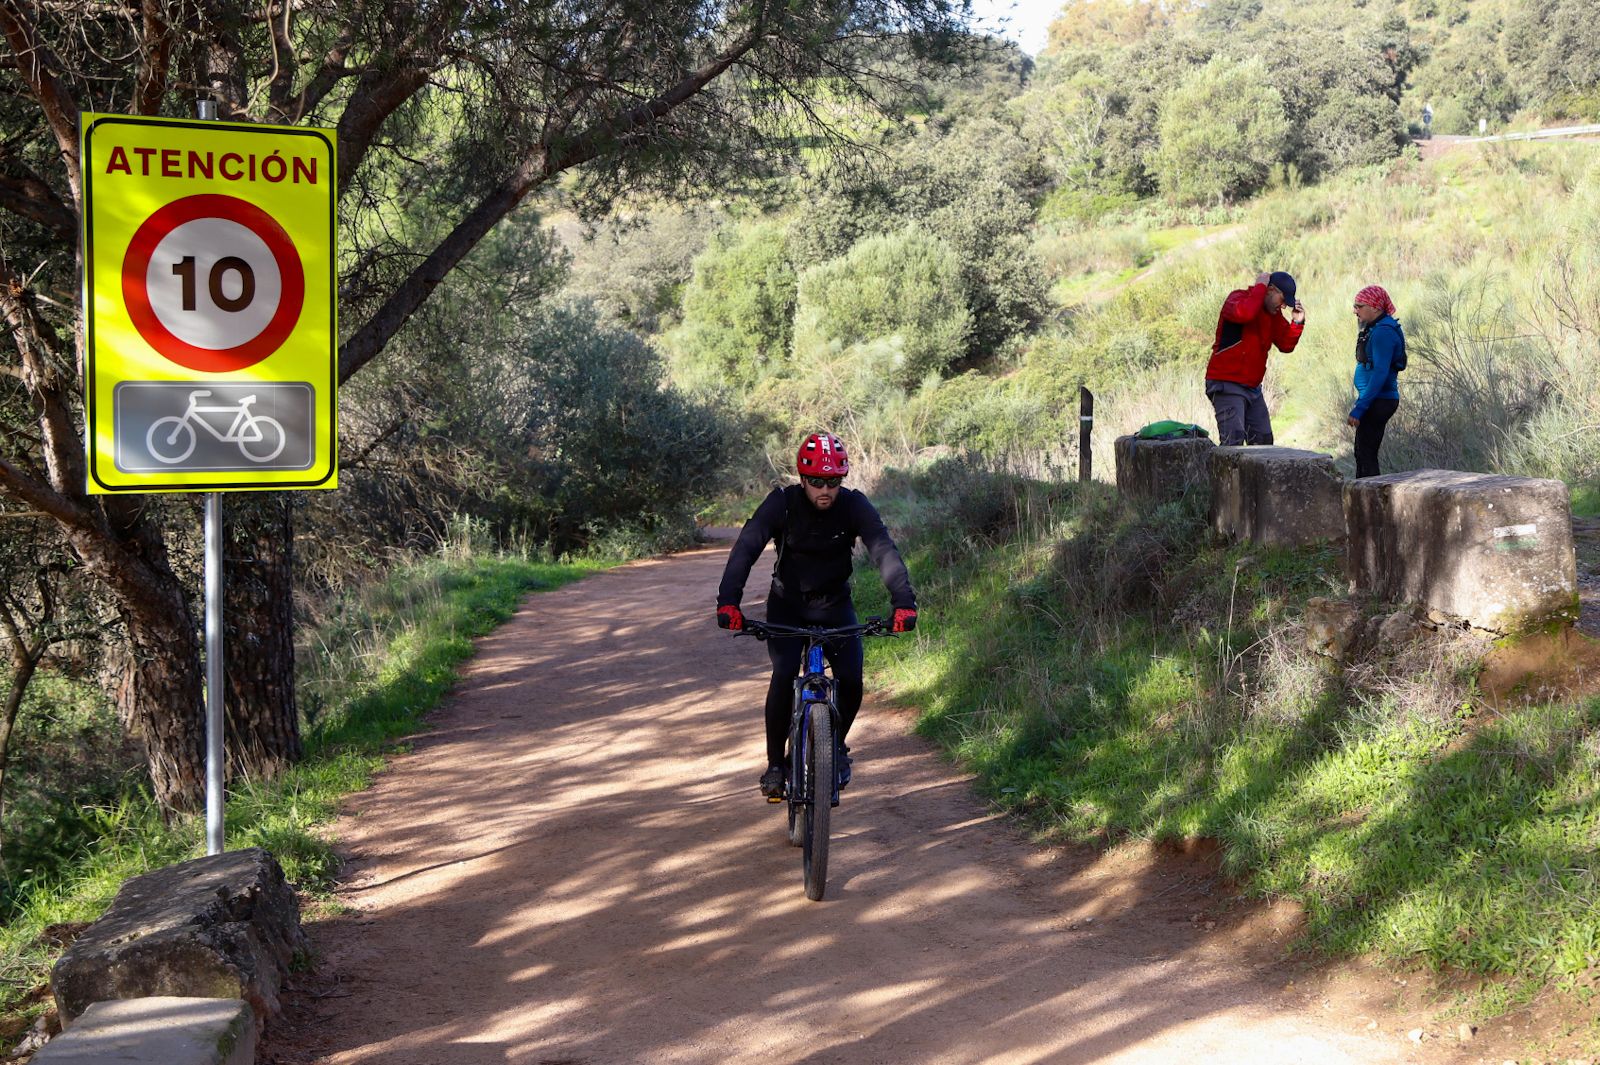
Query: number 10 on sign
209	296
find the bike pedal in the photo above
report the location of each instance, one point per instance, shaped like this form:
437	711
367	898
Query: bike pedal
771	799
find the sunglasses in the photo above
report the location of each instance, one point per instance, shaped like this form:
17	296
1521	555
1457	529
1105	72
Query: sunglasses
823	482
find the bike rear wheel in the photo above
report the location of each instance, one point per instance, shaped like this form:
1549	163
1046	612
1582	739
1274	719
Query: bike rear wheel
818	813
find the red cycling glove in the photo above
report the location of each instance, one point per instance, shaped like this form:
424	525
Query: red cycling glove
904	620
730	617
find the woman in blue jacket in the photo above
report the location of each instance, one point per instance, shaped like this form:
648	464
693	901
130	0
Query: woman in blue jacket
1380	356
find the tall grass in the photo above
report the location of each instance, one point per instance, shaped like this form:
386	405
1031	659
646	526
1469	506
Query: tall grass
385	655
1493	259
1110	674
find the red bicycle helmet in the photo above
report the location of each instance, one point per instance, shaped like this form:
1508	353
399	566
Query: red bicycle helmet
822	455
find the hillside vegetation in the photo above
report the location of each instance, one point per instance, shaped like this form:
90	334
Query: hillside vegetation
1109	673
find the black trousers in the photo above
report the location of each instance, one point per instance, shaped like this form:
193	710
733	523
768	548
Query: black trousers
1369	435
844	658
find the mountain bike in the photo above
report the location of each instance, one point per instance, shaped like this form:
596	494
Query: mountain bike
259	437
816	749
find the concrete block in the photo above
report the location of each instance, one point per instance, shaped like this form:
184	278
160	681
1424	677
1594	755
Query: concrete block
1276	496
157	1031
1495	552
1162	470
225	926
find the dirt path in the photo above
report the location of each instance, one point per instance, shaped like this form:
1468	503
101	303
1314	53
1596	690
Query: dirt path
574	867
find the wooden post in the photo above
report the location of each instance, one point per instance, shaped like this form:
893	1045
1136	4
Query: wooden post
1085	427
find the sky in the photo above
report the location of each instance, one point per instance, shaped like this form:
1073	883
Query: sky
1028	20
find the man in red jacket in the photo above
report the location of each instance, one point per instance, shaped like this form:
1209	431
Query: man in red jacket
1250	325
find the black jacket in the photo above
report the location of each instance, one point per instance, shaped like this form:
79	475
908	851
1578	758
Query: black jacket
814	549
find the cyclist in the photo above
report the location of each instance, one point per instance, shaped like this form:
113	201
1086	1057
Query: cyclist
815	525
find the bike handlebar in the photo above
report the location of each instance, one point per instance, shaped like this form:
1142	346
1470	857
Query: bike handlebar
762	630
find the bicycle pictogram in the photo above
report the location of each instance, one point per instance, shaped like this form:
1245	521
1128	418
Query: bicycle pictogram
259	438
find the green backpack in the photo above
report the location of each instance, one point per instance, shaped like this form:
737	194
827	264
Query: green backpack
1171	430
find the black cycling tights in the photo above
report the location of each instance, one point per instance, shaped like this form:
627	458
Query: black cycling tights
844	659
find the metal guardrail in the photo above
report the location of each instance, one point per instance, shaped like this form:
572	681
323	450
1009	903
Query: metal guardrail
1537	134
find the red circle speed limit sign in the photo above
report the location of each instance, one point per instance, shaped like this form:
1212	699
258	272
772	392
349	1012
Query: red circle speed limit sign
213	283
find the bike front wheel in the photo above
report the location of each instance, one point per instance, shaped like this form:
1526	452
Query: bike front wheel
170	439
266	440
818	813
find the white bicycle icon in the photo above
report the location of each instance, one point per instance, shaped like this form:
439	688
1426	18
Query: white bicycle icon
172	439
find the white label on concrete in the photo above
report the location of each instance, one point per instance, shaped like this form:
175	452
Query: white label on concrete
1504	531
1516	537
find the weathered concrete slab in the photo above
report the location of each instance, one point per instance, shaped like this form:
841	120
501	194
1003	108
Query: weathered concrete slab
1162	470
225	926
1277	496
157	1031
1494	551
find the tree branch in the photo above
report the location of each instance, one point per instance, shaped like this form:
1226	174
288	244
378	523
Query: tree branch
46	499
29	197
62	446
630	124
539	166
376	96
38	67
283	61
157	41
332	71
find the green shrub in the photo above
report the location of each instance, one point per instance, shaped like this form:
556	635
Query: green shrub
606	443
1351	131
1222	130
971	185
893	302
738	308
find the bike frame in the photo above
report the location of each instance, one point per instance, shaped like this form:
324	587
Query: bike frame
242	419
814	687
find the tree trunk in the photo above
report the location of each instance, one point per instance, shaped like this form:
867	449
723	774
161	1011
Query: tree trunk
163	694
24	660
263	737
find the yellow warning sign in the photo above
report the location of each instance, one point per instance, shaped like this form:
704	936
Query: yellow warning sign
209	293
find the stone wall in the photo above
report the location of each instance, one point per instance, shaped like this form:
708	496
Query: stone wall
1276	496
1495	552
1161	470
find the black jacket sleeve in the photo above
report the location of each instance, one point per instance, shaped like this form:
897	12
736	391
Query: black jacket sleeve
763	525
884	554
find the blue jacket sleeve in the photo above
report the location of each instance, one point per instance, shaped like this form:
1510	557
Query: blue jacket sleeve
1381	346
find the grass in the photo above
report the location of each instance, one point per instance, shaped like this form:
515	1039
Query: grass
385	657
1137	682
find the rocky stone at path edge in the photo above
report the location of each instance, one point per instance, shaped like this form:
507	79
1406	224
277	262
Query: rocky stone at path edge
225	926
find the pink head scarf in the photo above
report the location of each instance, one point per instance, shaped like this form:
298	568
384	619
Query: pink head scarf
1375	296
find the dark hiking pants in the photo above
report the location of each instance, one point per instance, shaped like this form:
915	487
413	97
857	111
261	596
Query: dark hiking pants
1242	416
1369	435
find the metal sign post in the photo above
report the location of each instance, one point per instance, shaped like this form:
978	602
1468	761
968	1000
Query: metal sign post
216	790
214	696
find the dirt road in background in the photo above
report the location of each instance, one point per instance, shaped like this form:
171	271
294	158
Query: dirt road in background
574	867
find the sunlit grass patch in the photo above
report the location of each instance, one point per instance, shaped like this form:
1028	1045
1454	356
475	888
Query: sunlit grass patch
385	656
1408	817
